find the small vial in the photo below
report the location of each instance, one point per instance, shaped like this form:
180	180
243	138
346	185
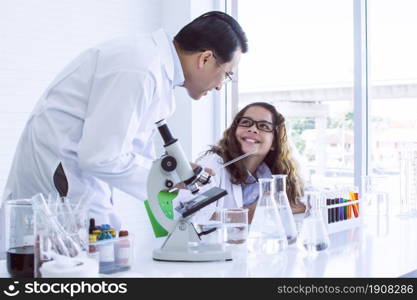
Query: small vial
106	249
123	249
113	232
92	248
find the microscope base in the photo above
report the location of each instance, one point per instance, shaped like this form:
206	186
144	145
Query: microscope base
197	253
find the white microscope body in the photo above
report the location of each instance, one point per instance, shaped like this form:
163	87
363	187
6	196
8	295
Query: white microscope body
183	242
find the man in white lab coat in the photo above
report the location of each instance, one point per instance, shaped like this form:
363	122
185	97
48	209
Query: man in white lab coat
92	128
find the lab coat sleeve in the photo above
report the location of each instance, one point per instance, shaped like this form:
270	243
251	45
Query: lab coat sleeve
117	105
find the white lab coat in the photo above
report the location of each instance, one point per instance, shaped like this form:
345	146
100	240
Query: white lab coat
233	199
97	118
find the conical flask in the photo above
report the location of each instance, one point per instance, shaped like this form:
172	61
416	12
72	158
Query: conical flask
266	233
285	212
314	235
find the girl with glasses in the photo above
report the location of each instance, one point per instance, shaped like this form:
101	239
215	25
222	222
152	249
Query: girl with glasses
257	128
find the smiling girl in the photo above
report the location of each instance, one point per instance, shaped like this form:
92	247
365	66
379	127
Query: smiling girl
258	128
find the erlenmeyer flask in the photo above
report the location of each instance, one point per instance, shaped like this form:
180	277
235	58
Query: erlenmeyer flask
313	235
266	233
285	212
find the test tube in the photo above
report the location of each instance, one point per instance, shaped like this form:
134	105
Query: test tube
329	210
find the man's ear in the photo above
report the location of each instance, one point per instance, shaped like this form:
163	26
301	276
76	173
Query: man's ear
204	57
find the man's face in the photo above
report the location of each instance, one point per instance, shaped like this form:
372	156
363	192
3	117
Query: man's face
207	73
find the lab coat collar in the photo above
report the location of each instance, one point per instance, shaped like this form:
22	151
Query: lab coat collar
169	57
178	72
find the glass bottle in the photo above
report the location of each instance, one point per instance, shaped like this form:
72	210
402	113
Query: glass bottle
313	234
266	233
123	250
285	212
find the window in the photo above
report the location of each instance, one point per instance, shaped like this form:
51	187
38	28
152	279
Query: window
301	60
393	81
392	49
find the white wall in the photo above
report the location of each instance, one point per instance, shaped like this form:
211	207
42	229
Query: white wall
194	122
37	39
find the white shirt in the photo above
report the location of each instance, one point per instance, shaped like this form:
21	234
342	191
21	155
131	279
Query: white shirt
97	118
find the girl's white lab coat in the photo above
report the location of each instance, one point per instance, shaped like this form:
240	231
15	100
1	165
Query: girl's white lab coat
233	199
97	118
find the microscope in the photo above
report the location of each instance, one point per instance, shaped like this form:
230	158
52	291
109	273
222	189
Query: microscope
183	243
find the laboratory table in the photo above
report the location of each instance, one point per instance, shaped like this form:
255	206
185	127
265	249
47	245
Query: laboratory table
382	246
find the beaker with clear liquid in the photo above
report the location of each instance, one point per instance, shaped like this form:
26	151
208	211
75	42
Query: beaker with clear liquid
266	233
314	236
283	205
375	195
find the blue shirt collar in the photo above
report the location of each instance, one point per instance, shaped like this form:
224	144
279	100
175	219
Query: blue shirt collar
262	171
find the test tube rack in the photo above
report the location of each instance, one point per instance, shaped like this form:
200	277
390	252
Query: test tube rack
341	214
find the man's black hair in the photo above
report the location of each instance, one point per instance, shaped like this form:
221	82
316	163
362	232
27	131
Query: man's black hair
214	31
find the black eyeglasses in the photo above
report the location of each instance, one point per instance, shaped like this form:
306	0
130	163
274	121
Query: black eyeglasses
228	76
261	125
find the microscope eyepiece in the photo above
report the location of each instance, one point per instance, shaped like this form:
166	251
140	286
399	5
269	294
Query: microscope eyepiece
165	133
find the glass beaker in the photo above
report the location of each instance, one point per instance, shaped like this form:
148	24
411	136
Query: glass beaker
61	239
266	232
314	236
235	222
209	224
375	194
19	232
408	183
285	212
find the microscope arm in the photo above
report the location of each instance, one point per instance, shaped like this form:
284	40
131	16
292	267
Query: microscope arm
157	179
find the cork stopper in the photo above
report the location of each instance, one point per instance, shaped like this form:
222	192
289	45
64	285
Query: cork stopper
123	233
92	225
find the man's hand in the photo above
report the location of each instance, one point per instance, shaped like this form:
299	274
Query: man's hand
194	166
208	170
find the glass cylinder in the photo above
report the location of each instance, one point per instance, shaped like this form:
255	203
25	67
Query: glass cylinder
314	235
283	205
375	194
266	233
19	230
408	183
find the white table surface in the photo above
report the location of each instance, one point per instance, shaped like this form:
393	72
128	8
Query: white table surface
384	246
